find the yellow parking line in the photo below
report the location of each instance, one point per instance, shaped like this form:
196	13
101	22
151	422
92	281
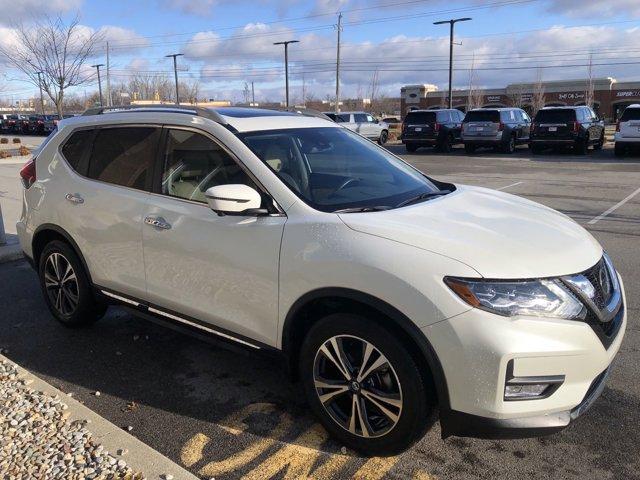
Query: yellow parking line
376	468
191	452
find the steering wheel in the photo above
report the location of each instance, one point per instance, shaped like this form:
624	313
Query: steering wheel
345	184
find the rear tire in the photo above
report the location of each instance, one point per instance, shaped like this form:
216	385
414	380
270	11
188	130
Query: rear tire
600	144
510	146
66	287
350	414
470	149
410	147
619	150
581	147
535	149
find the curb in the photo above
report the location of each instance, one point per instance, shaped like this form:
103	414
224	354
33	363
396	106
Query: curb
140	457
10	252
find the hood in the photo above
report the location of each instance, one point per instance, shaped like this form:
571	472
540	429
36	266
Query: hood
499	235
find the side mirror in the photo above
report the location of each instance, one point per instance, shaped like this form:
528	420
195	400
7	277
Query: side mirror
234	199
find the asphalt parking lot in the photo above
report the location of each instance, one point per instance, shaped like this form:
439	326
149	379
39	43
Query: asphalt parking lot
225	412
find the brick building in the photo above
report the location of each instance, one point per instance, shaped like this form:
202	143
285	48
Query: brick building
610	96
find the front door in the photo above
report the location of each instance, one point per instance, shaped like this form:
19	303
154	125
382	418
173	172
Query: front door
220	270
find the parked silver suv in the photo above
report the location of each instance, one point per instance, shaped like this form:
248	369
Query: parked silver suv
363	123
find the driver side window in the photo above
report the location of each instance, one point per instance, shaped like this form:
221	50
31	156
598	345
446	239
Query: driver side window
193	163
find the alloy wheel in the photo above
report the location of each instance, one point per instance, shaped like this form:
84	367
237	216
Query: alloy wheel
357	386
61	284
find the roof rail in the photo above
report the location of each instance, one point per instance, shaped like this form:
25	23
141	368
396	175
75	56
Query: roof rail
208	113
304	111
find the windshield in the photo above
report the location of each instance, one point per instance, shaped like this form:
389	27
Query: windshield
420	118
556	116
335	169
483	116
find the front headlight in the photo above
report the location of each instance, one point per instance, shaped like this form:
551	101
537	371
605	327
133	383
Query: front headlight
542	298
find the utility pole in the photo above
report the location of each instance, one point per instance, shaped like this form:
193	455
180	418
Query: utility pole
40	86
253	96
109	103
451	23
97	67
339	28
286	67
175	72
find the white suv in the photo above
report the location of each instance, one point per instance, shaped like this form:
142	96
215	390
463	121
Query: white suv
628	130
363	123
392	295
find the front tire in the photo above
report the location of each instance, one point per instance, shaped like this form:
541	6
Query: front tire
384	136
364	386
510	146
600	144
66	287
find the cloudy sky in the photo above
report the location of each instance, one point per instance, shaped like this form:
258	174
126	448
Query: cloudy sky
227	43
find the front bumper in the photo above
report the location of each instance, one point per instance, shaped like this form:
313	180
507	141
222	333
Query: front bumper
475	349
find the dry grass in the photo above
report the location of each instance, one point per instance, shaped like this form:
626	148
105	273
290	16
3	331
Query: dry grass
4	154
23	150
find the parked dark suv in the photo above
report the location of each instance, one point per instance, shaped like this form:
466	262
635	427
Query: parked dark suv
500	128
432	128
576	127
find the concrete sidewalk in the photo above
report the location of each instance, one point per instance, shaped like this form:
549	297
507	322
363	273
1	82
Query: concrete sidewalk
93	441
11	250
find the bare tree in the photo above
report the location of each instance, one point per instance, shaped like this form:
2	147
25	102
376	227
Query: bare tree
151	87
474	94
538	99
373	89
516	97
589	91
57	50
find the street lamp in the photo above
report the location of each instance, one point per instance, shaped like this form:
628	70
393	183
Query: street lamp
451	23
286	67
97	67
175	72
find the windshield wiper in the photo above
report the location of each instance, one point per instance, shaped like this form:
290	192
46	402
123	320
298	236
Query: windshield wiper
378	208
423	196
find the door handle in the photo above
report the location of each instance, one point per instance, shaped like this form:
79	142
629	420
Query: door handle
157	222
74	198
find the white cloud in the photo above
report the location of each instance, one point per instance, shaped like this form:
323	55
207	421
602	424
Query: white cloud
27	9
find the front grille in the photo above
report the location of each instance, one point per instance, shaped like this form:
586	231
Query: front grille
600	278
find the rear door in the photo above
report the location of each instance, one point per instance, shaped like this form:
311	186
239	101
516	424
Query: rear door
482	123
105	201
630	123
360	120
555	123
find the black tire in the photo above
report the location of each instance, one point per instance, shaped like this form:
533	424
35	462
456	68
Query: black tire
619	150
411	148
60	299
600	144
581	146
510	145
444	145
535	149
415	414
384	136
468	148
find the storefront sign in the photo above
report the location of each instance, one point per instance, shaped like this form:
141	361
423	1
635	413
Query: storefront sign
628	93
571	96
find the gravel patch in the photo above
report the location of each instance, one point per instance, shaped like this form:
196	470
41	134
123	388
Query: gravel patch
37	440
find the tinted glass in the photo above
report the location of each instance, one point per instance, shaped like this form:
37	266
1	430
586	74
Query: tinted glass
443	117
555	116
124	156
360	117
630	114
420	118
75	146
483	116
334	168
193	163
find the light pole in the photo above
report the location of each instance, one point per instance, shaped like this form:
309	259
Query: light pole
175	72
97	67
40	86
451	23
286	67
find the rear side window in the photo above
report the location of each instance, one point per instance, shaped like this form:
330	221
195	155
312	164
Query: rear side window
75	147
124	156
630	114
556	116
420	118
360	117
483	116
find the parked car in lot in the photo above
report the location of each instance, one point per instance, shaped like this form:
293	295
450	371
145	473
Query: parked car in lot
16	123
576	127
391	295
432	128
363	123
36	124
500	128
627	134
4	122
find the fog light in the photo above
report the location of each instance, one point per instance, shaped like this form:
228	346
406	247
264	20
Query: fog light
525	391
529	388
